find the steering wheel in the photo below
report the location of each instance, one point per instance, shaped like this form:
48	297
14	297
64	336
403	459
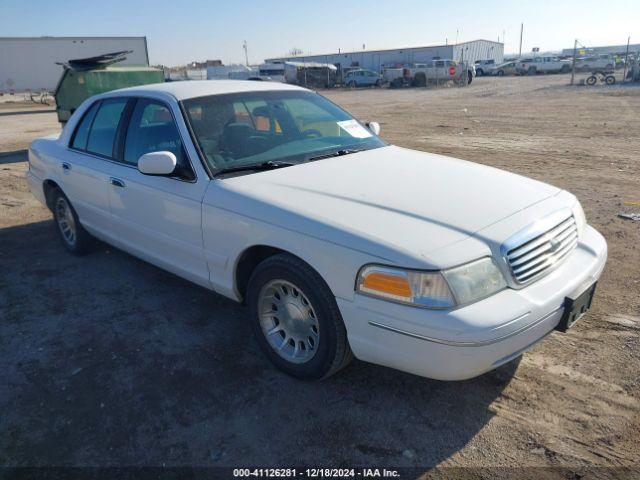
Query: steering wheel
312	133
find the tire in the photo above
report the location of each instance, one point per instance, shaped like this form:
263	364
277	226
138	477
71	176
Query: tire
500	73
532	71
565	69
610	80
479	72
420	80
469	78
352	84
591	80
70	231
311	315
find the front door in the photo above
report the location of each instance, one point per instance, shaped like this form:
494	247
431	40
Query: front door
158	218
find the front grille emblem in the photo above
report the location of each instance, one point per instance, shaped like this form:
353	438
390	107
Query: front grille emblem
554	245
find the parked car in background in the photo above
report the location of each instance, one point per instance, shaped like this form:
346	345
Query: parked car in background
546	65
338	243
508	68
484	67
362	78
596	63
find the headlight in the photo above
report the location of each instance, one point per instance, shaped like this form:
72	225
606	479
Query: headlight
446	289
580	218
475	280
423	289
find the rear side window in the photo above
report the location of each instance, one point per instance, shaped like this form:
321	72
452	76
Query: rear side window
152	129
105	125
82	131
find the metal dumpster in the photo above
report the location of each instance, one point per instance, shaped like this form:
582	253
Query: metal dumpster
85	77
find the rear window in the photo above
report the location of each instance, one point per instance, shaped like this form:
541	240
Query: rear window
82	131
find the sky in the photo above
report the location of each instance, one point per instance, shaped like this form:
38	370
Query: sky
180	31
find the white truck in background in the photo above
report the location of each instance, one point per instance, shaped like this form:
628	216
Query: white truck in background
433	72
545	65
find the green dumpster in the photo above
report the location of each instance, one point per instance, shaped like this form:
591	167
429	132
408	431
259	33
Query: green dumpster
81	80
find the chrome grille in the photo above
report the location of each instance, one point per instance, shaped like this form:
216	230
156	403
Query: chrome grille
537	255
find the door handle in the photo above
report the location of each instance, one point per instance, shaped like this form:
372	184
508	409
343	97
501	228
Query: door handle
65	166
116	182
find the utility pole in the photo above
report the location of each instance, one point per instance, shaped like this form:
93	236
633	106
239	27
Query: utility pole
520	51
246	53
573	62
626	60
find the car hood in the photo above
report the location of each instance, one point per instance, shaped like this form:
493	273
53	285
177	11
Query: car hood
386	201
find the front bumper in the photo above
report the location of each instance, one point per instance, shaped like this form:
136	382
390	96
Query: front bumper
466	342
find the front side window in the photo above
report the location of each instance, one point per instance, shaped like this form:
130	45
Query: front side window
105	125
243	129
152	129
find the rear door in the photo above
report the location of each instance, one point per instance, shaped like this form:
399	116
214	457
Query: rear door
85	171
158	218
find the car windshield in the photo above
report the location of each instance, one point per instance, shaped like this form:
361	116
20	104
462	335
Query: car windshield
255	128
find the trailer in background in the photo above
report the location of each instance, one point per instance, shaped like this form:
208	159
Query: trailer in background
32	63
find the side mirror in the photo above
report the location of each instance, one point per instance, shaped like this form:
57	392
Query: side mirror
157	163
374	127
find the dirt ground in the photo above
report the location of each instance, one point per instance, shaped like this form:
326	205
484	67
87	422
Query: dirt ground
110	361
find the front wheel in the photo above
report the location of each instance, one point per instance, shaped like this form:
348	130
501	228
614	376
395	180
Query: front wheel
296	319
500	73
610	80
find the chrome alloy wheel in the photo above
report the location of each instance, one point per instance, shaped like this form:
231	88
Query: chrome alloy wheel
66	222
288	321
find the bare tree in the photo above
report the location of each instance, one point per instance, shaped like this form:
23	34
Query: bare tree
295	51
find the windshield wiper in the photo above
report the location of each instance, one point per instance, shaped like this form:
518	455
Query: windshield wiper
338	153
270	165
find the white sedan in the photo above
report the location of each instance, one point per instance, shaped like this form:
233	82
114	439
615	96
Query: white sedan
339	244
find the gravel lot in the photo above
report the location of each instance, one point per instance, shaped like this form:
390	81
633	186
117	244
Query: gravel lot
111	361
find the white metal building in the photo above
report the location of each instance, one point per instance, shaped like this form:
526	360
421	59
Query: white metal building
29	63
612	49
376	59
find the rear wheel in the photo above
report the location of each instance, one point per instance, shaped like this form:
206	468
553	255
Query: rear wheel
500	73
420	80
565	68
296	319
479	72
71	232
591	80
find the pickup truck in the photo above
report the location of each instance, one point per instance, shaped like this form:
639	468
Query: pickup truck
485	67
433	72
545	65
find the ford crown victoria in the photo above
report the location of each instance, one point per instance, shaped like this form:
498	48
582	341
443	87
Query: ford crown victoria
339	244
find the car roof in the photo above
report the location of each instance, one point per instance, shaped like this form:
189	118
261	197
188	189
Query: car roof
182	90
